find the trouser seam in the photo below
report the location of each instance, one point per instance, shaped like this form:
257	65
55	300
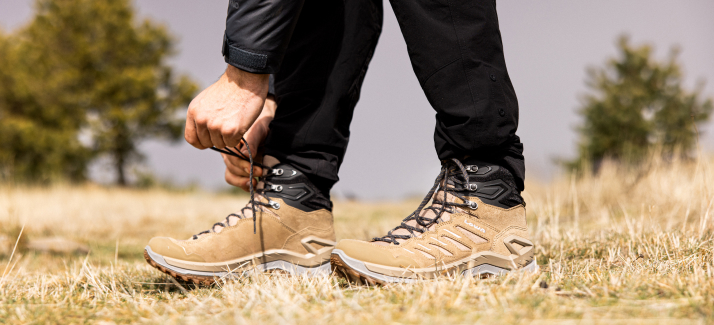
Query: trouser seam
441	68
461	54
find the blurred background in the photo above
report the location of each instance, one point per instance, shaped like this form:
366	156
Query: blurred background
584	73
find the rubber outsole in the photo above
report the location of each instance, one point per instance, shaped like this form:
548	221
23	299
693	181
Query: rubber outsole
340	264
356	271
209	278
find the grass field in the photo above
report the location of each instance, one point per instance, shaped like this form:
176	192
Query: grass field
622	247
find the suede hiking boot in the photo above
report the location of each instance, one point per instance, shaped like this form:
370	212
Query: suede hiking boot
475	226
287	227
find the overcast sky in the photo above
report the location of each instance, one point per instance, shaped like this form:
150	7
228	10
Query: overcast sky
548	45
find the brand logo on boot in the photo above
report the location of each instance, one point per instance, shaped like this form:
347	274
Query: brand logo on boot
475	226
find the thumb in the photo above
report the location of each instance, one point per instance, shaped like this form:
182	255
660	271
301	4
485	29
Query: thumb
256	136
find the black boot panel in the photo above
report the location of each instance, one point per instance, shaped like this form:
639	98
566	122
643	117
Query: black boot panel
492	184
295	189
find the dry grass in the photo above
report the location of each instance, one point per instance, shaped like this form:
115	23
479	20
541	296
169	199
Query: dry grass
622	247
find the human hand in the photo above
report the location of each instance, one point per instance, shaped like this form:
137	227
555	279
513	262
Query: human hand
238	170
222	113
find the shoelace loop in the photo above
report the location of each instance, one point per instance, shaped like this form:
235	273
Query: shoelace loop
237	153
444	205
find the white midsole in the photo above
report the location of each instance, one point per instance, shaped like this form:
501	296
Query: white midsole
294	269
360	267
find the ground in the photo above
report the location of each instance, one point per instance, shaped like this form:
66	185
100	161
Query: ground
627	246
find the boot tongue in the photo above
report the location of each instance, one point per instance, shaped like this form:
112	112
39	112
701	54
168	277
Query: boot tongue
268	162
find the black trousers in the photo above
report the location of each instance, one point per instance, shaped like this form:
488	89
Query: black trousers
456	52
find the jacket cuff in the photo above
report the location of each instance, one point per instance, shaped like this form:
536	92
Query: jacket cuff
248	60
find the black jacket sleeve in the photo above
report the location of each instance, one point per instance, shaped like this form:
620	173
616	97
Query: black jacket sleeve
258	32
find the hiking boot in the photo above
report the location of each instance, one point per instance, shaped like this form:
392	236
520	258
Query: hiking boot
291	231
475	226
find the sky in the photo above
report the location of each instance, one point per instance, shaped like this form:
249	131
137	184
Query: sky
548	46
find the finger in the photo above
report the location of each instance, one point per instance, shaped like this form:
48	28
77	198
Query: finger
233	160
253	142
216	137
231	135
203	135
246	123
241	164
256	135
241	182
190	133
240	167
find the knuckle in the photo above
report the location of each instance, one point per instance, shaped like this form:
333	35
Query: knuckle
213	125
191	112
228	130
241	130
228	140
200	119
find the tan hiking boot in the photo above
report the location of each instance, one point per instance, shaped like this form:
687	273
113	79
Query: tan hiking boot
480	229
294	234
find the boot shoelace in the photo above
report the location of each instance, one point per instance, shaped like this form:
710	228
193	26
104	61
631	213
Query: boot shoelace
252	202
438	206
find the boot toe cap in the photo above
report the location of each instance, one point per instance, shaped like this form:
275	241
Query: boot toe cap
376	254
169	247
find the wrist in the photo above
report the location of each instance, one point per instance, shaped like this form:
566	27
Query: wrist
253	82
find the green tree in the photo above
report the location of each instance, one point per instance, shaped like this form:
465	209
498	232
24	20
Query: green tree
39	118
635	104
106	72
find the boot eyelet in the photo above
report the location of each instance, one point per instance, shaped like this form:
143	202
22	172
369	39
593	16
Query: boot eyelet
276	188
274	205
471	168
472	205
473	187
278	172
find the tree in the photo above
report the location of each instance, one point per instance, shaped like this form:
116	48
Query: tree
635	104
106	72
39	118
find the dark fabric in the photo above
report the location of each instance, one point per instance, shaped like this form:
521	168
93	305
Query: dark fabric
319	84
258	32
456	53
